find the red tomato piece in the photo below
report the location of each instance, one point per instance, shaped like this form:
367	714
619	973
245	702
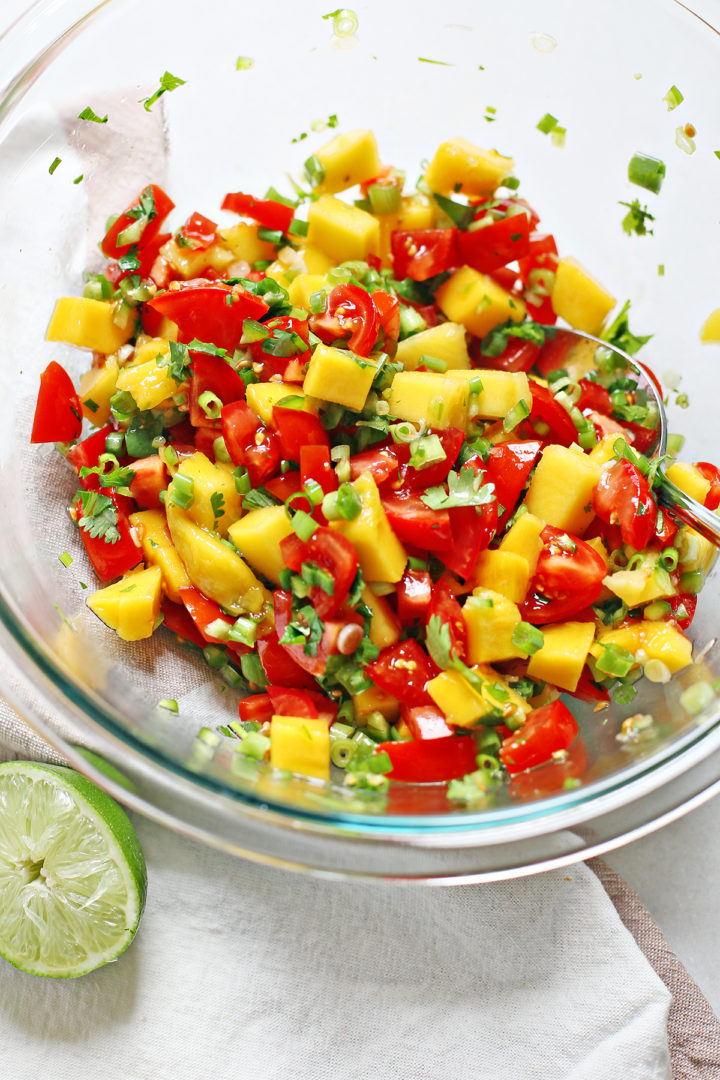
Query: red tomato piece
213	374
508	207
111	560
86	455
203	611
426	722
315	464
57	413
413	594
431	761
546	730
148	257
712	473
415	523
403	670
547	779
518	355
294	350
495	245
568	578
210	312
642	438
622	496
284	485
683	607
290	702
388	309
280	668
594	396
149	480
327	644
667	529
350	310
554	353
508	467
199	231
162	204
587	689
296	429
177	621
445	611
256	709
546	409
422	253
267	212
381	463
249	443
432	475
542	254
473	527
330	551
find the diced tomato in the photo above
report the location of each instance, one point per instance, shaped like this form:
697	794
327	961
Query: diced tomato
315	464
554	353
622	495
683	607
542	254
86	455
445	612
284	485
350	310
213	313
431	761
609	534
403	670
256	709
412	478
666	531
546	730
388	309
162	206
413	593
249	443
546	409
415	523
148	257
285	347
177	621
280	668
642	438
199	231
149	480
315	664
57	413
267	212
518	355
291	702
296	429
473	527
551	777
214	375
203	611
712	473
495	245
381	463
587	689
426	722
509	207
594	396
422	253
205	440
110	560
332	552
508	467
568	578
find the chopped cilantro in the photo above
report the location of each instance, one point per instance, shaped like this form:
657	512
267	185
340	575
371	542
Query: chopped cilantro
99	517
88	114
167	82
54	165
257	498
217	502
465	488
66	558
205	347
636	218
120	477
438	642
79	179
620	335
305	629
180	366
495	343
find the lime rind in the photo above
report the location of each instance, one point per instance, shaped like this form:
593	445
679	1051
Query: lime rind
72	874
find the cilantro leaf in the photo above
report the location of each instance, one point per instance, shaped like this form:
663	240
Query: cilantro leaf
120	478
636	218
217	502
259	497
180	366
464	489
88	114
438	643
305	629
99	517
619	333
205	347
495	343
145	208
168	82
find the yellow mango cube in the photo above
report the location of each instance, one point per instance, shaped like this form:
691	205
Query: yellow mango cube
189	263
216	503
653	640
376	700
459	165
382	557
523	538
348	159
640	586
130	606
561	490
492	394
257	537
578	298
465	705
502	570
710	333
302	287
415	212
263	397
300	745
696	553
341	231
477	301
244	243
604	450
78	320
158	550
688	479
148	382
316	261
340	376
491	620
446	342
215	569
384	624
563	654
428	397
97	386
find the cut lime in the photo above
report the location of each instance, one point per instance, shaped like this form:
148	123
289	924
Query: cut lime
72	873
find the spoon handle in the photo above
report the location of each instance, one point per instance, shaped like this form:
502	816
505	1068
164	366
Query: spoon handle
689	510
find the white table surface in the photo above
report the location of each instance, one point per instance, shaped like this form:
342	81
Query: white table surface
676	871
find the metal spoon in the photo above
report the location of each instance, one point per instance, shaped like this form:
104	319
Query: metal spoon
582	356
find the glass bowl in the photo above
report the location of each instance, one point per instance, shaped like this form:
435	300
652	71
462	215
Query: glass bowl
485	71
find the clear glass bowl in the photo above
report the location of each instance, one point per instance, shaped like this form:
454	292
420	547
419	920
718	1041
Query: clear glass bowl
603	75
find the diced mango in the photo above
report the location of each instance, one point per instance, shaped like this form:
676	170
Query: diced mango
189	263
384	623
523	538
341	231
382	556
477	301
491	620
262	397
316	261
147	378
340	376
561	490
640	586
563	654
492	394
302	287
158	550
465	705
78	320
710	333
130	606
415	213
696	553
604	450
257	537
215	568
688	479
597	545
459	165
657	640
300	745
97	386
244	243
376	700
348	159
211	482
502	570
430	398
578	298
446	342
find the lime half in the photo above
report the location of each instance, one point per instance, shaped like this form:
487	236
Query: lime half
72	873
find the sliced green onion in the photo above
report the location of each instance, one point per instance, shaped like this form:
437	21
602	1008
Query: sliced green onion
253	331
244	63
316	577
432	363
403	432
669	558
318	302
615	661
547	123
66	558
314	170
411	321
683	141
658	609
347	503
673	98
343	470
516	415
303	525
340	453
528	638
426	451
252	669
314	492
219	629
168	703
220	450
298	227
384	198
181	491
345	22
417	564
215	655
244	630
692	581
636	561
695	698
647	172
242	480
254	745
210	404
341	752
